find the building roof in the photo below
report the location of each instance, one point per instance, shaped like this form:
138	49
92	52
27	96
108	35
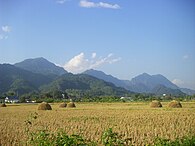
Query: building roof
13	98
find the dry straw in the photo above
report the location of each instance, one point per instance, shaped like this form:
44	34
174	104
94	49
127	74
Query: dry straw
155	104
175	104
3	105
71	105
63	105
44	106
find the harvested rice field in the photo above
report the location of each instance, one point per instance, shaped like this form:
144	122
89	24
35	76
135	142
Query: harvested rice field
134	120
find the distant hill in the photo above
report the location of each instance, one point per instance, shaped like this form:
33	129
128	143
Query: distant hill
187	91
16	79
161	89
108	78
85	85
148	82
143	83
40	65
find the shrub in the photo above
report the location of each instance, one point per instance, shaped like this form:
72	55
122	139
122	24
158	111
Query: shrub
44	138
110	138
185	141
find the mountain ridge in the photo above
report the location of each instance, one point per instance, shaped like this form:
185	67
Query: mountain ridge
105	77
143	83
40	65
16	80
42	68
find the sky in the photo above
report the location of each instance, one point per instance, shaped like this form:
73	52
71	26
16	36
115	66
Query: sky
123	38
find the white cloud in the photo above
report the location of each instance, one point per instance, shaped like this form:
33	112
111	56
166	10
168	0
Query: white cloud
89	4
93	55
185	57
61	1
111	6
6	28
178	82
4	32
115	60
3	37
80	63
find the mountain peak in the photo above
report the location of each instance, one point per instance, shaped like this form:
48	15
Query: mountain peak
36	59
151	81
40	65
145	74
93	71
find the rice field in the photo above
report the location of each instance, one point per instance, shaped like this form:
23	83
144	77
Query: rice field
135	120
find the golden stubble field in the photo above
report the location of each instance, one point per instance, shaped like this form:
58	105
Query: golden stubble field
134	120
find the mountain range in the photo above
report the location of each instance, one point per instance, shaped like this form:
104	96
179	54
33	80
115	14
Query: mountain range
45	77
144	83
40	75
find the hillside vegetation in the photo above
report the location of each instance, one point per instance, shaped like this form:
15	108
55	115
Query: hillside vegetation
22	82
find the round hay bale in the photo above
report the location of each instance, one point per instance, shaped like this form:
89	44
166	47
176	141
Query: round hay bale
44	106
155	104
3	105
175	104
63	105
71	105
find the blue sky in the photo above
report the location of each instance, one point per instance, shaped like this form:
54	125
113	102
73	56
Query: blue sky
120	37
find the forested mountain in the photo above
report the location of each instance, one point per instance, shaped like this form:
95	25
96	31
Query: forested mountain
161	89
40	75
40	65
84	85
13	78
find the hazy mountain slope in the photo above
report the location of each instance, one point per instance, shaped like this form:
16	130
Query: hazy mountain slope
187	91
150	81
143	83
40	65
161	89
108	78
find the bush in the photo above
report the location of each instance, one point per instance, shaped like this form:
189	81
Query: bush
185	141
110	138
44	138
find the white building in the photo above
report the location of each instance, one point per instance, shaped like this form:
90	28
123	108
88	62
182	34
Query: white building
12	99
